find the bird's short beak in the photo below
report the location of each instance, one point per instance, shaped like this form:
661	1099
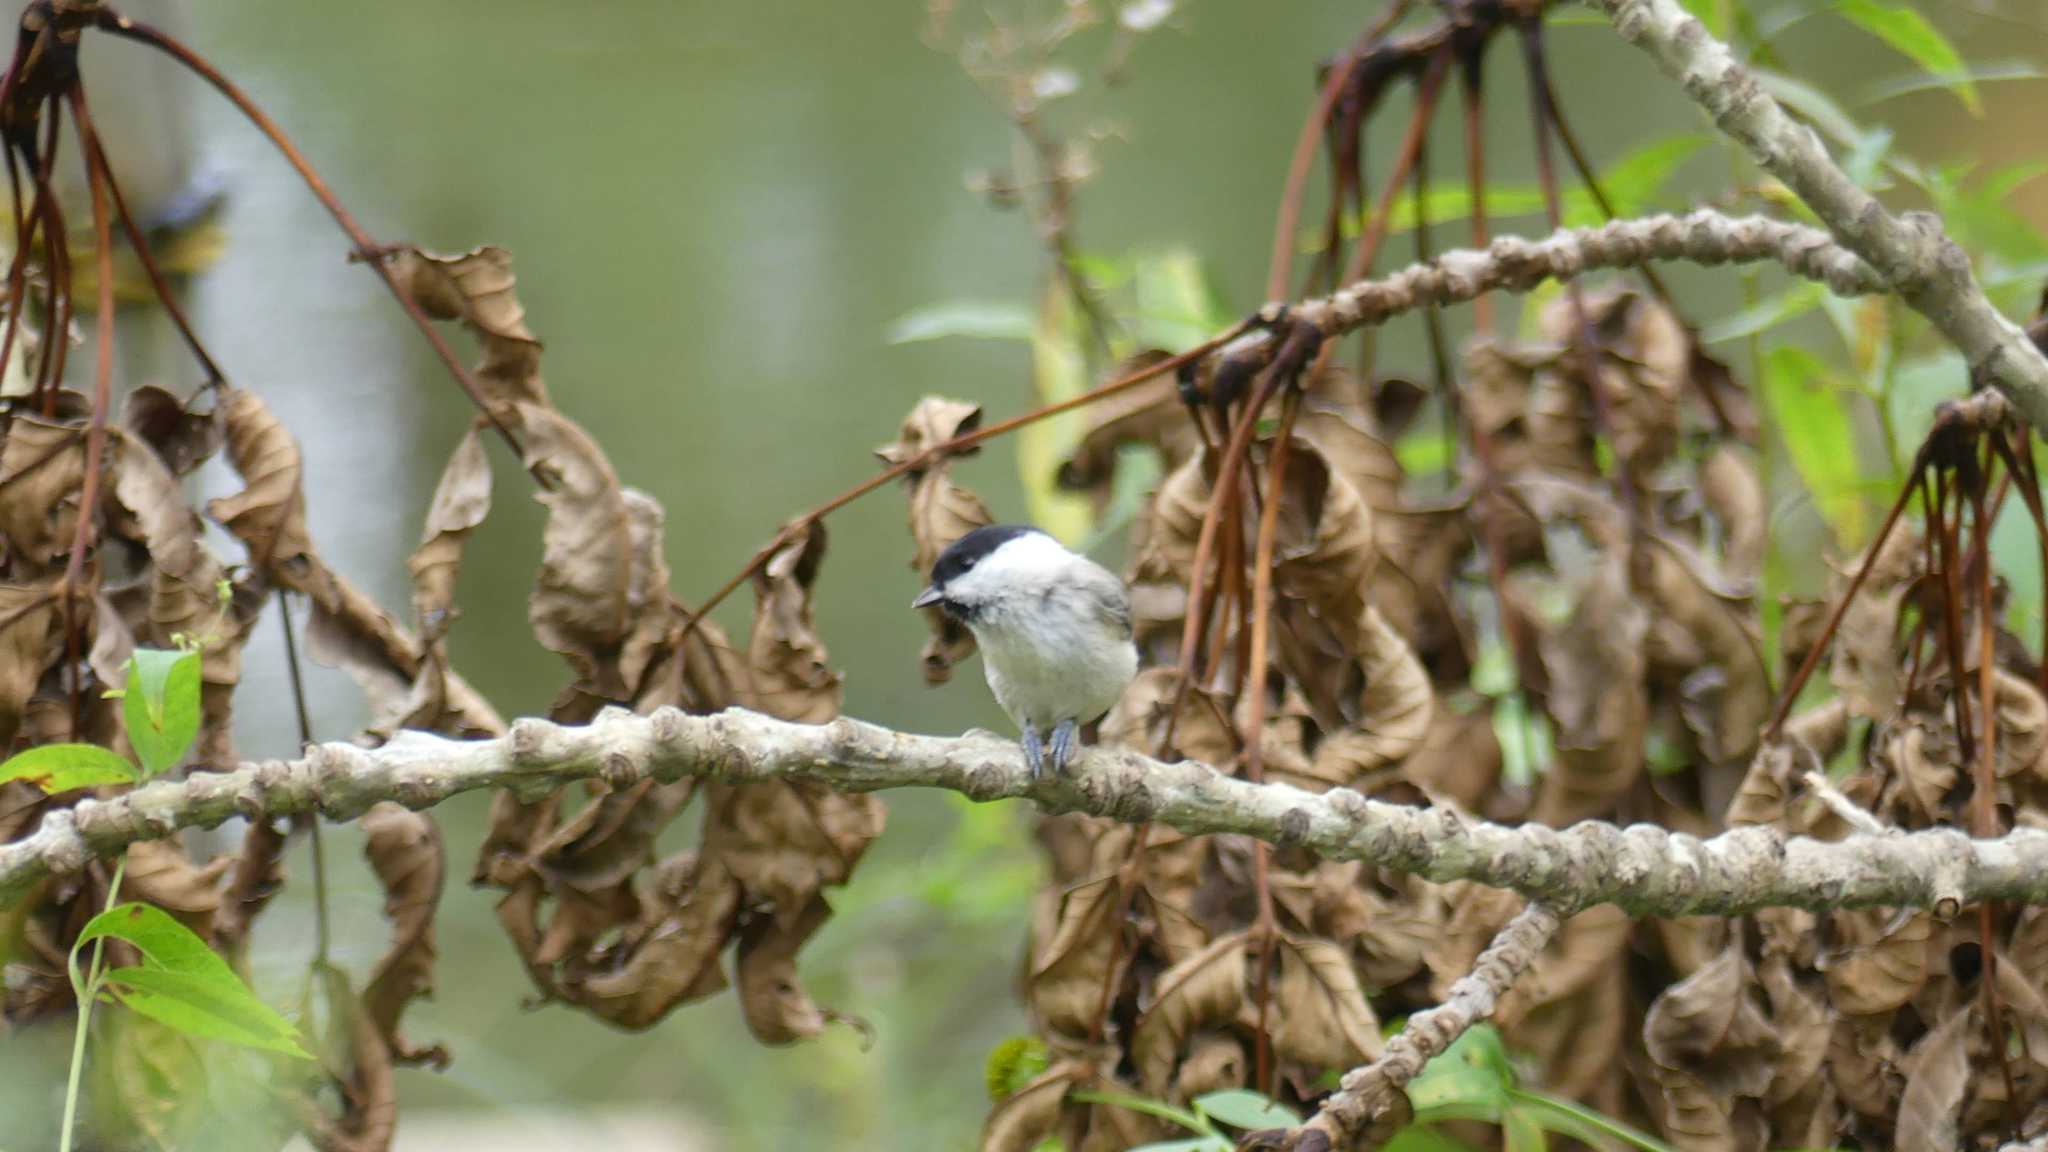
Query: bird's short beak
928	597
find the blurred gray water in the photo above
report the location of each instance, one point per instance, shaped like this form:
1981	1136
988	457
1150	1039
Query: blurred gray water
716	211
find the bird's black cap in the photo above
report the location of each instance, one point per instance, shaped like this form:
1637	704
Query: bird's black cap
969	550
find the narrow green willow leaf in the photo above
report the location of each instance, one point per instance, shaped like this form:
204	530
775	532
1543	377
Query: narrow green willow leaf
198	1006
1765	314
1243	1108
1991	73
62	767
1159	1108
1807	410
1470	1078
1911	35
972	319
160	708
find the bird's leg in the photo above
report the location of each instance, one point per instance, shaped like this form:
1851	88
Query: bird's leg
1066	737
1034	752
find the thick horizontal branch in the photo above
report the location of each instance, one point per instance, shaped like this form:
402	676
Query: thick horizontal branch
1644	869
1917	259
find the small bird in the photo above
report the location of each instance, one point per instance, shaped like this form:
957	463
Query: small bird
1054	629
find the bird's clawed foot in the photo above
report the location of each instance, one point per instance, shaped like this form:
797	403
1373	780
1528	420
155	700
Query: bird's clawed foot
1034	752
1066	740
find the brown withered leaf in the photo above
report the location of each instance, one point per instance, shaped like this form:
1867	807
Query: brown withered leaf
257	877
1866	666
1883	959
940	513
269	514
1214	1062
369	1094
1150	414
184	439
1802	1026
1029	1116
1937	1078
477	288
581	606
27	612
42	465
1205	990
1645	356
1320	1017
791	676
1707	1026
161	873
784	841
1324	551
777	1009
1459	757
1732	491
1862	1064
1391	715
1725	689
1598	698
461	501
1353	451
1069	968
1138	721
675	957
404	849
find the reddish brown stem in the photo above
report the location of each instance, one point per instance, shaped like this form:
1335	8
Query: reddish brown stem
1255	719
1475	179
1289	223
940	451
102	393
1827	632
140	243
1411	143
365	245
1983	813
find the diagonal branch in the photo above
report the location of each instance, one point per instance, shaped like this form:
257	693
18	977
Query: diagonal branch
1926	268
1647	870
1370	1095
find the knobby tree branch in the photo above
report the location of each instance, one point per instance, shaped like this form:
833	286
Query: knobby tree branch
1918	260
1647	870
1371	1098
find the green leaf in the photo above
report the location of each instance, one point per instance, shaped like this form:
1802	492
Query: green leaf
160	937
1423	1138
964	318
198	1006
1193	1144
1059	371
1978	73
1471	1078
1571	1118
160	707
1765	314
1522	1132
1807	412
1159	1108
1912	36
62	767
1424	453
1243	1108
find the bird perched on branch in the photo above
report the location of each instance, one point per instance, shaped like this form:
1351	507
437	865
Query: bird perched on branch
1054	629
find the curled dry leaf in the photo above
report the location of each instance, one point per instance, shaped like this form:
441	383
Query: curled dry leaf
1391	716
160	873
183	438
477	288
461	501
1645	356
1324	551
1028	1117
776	1007
269	514
42	466
1881	962
1203	991
1150	414
404	849
940	513
1320	1018
1866	666
1732	491
1937	1079
1707	1026
673	956
791	676
1598	699
1068	971
27	613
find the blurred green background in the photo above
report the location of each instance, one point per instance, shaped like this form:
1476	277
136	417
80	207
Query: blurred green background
717	210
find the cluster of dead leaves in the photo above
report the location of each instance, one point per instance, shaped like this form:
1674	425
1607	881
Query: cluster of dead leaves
147	576
598	920
1622	634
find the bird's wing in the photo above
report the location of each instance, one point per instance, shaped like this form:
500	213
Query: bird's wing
1105	597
